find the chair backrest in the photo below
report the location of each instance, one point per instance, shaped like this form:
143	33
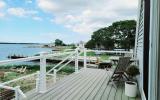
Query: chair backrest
24	70
123	63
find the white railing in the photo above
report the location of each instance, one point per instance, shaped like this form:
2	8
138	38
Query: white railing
112	52
41	75
17	90
70	58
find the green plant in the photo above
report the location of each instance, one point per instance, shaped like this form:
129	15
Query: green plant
132	71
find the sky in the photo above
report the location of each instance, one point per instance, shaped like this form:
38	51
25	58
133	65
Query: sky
43	21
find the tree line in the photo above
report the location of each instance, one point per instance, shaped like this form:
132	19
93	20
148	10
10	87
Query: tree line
120	34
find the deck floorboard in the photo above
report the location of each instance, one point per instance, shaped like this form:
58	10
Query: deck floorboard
88	84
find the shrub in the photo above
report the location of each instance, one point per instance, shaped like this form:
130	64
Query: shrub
132	71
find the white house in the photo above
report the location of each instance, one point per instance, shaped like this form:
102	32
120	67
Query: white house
147	49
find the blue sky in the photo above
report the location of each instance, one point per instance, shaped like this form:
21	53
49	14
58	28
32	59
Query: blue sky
70	20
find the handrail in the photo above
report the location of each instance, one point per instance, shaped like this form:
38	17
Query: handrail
61	62
67	63
21	93
32	58
16	89
7	87
109	51
17	79
40	80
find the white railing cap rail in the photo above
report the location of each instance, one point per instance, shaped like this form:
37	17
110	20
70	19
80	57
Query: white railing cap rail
68	62
7	87
17	79
61	62
109	51
32	58
17	88
20	92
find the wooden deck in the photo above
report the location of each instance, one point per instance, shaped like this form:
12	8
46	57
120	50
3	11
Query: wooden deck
89	84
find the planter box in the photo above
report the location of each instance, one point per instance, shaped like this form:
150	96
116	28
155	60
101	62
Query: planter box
130	89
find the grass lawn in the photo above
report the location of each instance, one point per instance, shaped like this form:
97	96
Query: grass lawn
102	56
30	83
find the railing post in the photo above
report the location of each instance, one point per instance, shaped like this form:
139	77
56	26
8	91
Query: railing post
55	75
76	61
85	58
37	82
17	95
42	75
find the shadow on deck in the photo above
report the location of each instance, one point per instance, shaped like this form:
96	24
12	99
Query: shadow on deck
89	84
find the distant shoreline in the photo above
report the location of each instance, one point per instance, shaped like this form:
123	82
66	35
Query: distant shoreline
17	43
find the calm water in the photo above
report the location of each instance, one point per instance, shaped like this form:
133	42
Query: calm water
19	49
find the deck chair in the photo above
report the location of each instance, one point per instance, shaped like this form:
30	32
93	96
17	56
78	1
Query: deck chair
119	72
94	65
19	69
23	70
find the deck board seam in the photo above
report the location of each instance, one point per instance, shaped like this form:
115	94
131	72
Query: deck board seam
106	80
91	86
70	83
76	82
81	92
109	92
81	82
37	94
116	91
83	85
105	90
100	85
81	89
63	84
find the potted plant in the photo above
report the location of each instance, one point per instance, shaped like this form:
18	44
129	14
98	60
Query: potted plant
131	85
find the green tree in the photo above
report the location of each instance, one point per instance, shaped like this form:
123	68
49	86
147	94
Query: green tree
90	44
59	42
120	34
124	32
103	37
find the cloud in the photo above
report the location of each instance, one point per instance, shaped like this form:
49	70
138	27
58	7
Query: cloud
37	18
83	16
66	37
2	4
21	12
29	1
2	15
52	36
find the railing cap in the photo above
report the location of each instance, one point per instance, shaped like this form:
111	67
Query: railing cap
43	53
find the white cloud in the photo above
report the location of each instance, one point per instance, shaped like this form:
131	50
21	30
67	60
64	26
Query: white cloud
2	15
37	18
66	37
2	4
21	12
28	1
84	17
53	36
